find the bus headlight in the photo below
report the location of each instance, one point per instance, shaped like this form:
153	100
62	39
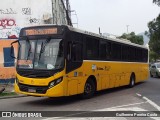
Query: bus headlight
55	82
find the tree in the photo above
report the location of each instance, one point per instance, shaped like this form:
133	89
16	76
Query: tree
138	39
154	34
153	56
157	2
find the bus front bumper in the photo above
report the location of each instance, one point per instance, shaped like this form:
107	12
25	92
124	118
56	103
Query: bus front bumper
56	91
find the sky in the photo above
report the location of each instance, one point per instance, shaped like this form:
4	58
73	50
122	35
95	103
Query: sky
113	16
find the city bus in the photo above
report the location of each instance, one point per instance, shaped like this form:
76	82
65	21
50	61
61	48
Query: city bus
60	60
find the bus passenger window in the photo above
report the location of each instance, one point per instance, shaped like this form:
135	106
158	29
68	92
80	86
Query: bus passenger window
92	48
103	50
108	51
76	52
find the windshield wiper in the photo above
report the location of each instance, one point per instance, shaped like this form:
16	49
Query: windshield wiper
41	51
43	45
26	38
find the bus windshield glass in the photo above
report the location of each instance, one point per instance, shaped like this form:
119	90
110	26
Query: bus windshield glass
46	54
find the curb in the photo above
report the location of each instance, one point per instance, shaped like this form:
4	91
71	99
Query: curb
13	96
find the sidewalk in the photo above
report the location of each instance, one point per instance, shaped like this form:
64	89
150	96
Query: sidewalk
9	88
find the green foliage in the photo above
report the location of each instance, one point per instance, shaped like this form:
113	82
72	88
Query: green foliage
157	2
153	56
7	94
138	39
154	34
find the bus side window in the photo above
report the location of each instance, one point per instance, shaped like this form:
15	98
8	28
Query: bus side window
76	52
92	48
69	51
108	51
103	50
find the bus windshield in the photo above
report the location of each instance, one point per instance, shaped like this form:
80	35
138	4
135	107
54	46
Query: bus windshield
46	54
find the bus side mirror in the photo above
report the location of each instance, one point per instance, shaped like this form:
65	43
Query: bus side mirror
12	52
12	49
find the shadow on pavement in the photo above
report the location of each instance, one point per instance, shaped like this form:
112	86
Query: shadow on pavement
60	101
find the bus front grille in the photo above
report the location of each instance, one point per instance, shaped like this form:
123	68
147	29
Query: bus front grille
33	89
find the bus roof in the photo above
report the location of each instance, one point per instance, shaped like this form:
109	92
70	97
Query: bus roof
125	41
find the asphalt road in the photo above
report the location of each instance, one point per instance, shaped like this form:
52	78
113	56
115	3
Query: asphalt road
143	97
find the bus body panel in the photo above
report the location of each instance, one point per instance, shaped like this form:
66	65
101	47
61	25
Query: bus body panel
108	75
58	90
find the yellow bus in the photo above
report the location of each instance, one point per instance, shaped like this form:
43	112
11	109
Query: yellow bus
59	60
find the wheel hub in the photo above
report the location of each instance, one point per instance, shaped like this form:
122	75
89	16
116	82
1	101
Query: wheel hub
88	88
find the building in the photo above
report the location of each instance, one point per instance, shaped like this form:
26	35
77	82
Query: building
15	14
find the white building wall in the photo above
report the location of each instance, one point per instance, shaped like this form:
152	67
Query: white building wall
15	14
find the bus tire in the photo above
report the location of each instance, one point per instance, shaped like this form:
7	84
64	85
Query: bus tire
132	81
89	89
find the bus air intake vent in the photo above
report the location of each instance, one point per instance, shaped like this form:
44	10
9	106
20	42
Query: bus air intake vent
35	89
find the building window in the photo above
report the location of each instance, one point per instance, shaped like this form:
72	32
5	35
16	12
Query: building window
8	60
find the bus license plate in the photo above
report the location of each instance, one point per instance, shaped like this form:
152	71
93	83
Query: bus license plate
31	90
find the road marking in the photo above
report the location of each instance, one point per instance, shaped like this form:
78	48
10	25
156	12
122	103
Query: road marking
127	105
108	109
150	102
138	94
96	118
104	118
116	108
122	109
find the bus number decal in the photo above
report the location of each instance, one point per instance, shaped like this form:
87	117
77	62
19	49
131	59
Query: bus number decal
24	62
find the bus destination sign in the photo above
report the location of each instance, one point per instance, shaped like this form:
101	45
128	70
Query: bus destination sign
41	31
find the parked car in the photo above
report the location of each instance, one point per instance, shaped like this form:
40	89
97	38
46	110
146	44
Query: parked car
155	70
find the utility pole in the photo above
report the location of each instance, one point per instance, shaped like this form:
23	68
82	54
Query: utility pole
68	10
61	12
67	5
100	31
52	12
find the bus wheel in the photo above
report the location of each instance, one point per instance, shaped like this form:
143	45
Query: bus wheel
132	81
89	89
